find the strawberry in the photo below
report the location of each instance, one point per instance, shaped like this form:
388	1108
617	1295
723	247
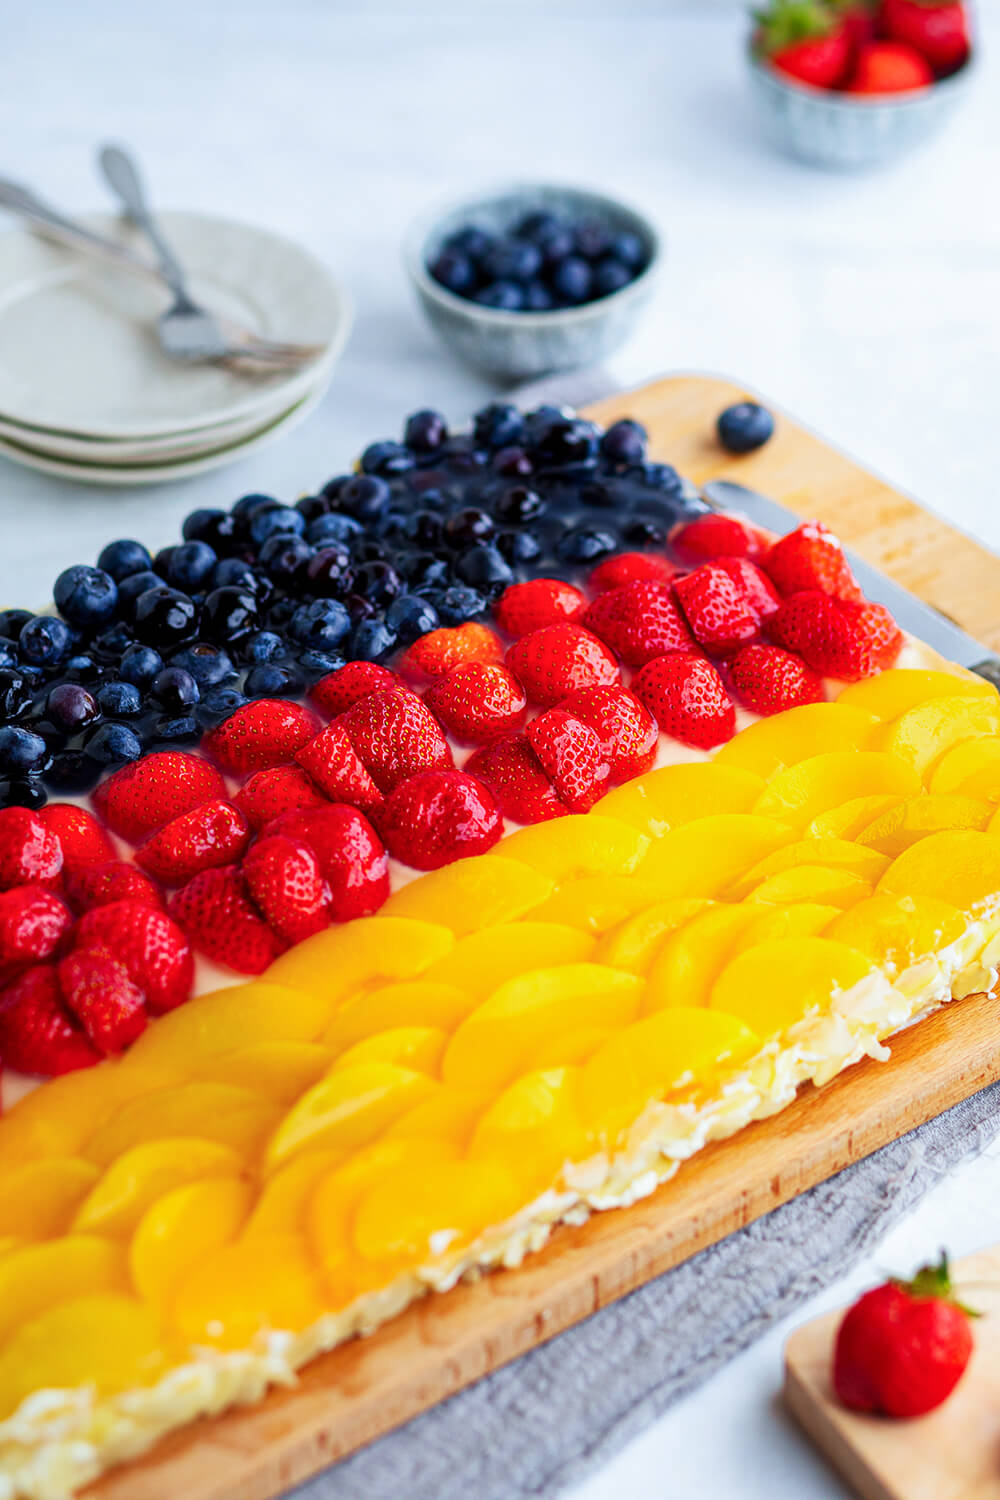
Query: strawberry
394	735
889	68
264	733
524	607
333	764
284	878
270	793
338	690
639	620
558	659
147	943
843	638
804	40
215	911
216	833
939	29
105	1000
143	795
687	698
33	924
768	680
351	856
717	536
81	838
571	754
37	1035
810	557
30	852
902	1348
631	567
513	773
858	17
99	885
439	651
623	725
438	816
478	703
725	602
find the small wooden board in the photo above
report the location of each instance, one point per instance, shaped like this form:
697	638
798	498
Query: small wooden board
951	1454
364	1389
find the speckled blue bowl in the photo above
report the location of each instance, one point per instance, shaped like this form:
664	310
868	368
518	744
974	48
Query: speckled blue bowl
520	345
851	130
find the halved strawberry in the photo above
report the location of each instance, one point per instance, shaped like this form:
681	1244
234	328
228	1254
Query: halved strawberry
478	703
394	735
810	557
216	833
284	878
148	943
30	852
725	603
37	1034
558	659
143	795
334	765
688	699
104	998
351	856
844	638
768	679
356	679
622	723
81	838
438	816
512	771
270	793
717	536
631	567
99	885
216	912
639	620
439	651
524	607
33	924
572	755
264	733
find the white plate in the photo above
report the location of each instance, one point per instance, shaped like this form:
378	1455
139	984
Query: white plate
78	349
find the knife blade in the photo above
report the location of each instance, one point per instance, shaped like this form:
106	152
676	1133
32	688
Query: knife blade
919	619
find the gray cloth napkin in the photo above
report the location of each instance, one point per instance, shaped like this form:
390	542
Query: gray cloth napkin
544	1422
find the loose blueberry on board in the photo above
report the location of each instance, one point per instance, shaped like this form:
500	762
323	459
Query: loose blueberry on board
744	427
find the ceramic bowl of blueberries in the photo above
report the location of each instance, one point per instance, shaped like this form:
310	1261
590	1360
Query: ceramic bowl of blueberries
530	280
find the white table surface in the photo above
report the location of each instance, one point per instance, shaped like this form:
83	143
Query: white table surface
867	305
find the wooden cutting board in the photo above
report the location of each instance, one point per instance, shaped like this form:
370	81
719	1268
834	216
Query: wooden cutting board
952	1453
363	1389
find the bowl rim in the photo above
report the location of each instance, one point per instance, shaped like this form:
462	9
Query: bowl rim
421	228
842	100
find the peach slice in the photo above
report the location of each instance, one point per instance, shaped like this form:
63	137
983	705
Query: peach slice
534	1128
495	1042
38	1199
479	963
365	953
673	795
797	734
410	1219
962	868
472	894
835	853
36	1277
896	931
217	1111
634	944
847	820
893	831
284	1198
182	1228
278	1071
569	1048
923	734
347	1108
823	885
654	1057
595	903
61	1116
805	919
703	858
105	1341
773	985
581	844
448	1115
416	1047
889	694
414	1002
139	1176
242	1289
972	769
801	792
688	963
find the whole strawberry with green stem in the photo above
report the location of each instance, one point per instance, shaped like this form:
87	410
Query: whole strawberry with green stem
807	40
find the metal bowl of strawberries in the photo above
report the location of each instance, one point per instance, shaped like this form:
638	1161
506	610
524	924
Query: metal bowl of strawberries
854	83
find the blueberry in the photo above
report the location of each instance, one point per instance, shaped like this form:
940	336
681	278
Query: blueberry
112	744
593	239
471	241
502	296
161	562
538	422
586	544
498	425
13	621
454	271
110	645
378	581
513	463
284	558
624	442
208	665
385	458
571	440
174	689
165	617
270	681
331	490
393	524
281	612
175	729
556	245
15	693
190	566
426	528
458	604
312	508
519	546
139	665
229	614
466	527
215	527
83	669
426	570
8	653
512	259
17	791
371	640
131	587
518	504
330	573
744	427
70	707
484	567
119	700
123	558
332	528
538	225
263	647
425	431
365	496
409	616
629	249
217	704
44	641
643	532
72	771
21	751
538	298
316	664
662	477
85	596
322	624
277	520
572	280
611	275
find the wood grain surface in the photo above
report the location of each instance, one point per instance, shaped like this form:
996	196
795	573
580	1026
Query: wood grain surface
363	1389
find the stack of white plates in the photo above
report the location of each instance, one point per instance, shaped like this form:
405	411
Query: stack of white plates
87	392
